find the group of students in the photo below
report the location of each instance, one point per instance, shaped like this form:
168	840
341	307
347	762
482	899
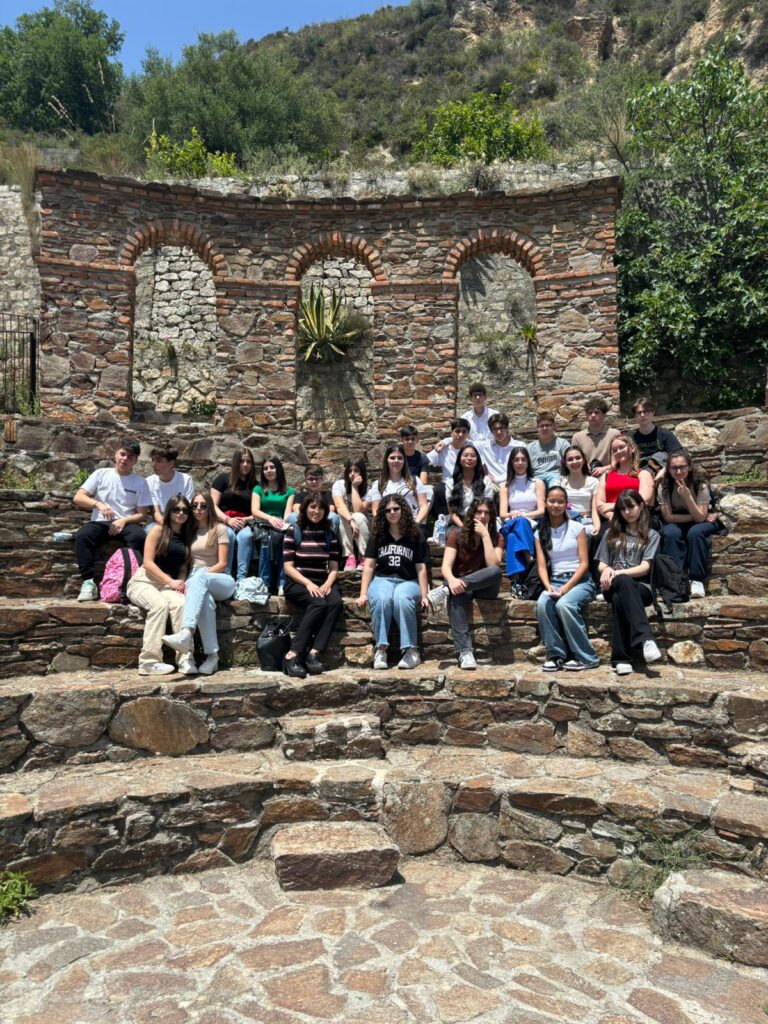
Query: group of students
579	512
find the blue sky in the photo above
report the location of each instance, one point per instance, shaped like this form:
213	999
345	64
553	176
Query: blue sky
171	24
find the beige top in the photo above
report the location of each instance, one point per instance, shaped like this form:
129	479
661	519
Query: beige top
596	446
203	555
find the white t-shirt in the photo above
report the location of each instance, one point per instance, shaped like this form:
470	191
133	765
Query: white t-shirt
180	483
468	496
580	498
479	424
521	494
564	556
374	494
445	458
124	494
496	457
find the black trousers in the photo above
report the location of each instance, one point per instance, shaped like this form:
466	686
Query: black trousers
92	536
629	623
319	620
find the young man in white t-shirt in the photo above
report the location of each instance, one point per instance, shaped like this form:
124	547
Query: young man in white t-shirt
495	452
166	482
479	414
119	502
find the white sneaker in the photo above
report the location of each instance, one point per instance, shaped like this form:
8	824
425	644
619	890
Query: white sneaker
622	668
410	659
651	652
552	665
187	665
697	589
600	596
88	591
156	668
438	598
183	642
209	666
281	591
467	661
380	658
574	666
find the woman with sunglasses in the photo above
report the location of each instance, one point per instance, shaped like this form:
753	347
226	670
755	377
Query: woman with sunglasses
271	504
207	583
581	488
394	579
231	494
395	478
158	586
468	484
688	525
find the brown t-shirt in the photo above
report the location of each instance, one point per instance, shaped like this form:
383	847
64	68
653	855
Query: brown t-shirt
467	560
596	446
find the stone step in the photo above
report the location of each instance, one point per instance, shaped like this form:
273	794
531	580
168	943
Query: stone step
328	736
106	823
717	911
40	634
685	717
334	855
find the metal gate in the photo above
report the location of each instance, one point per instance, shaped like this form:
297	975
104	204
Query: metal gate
19	337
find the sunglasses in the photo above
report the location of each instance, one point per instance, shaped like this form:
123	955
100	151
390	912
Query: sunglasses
181	509
392	510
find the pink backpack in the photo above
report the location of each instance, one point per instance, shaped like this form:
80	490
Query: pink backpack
121	565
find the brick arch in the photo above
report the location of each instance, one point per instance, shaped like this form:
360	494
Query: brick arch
333	243
173	232
482	242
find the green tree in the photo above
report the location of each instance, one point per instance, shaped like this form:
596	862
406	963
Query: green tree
693	233
483	128
56	69
239	101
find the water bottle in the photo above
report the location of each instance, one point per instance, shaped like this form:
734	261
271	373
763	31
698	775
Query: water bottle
441	531
62	536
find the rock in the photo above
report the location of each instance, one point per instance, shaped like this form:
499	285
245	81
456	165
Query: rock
517	824
686	652
13	743
415	814
744	815
248	735
722	913
582	372
64	662
20	620
695	435
535	857
581	740
74	719
475	836
744	509
758	654
333	855
158	724
360	656
524	737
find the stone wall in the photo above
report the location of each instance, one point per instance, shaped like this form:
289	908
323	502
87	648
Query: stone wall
19	280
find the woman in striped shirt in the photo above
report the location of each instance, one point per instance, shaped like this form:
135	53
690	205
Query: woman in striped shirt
311	557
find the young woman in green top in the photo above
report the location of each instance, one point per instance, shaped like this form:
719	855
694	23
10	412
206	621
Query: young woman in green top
271	504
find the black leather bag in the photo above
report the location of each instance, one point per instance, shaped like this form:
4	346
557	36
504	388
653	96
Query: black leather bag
272	645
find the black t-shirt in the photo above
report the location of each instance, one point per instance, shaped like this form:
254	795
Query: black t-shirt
418	463
237	500
657	440
174	558
398	558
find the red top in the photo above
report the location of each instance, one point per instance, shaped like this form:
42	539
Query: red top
615	483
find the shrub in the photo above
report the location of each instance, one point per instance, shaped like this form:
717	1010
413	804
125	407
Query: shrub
16	891
326	328
189	159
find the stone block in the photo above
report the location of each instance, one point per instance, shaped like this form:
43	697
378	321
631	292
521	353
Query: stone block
524	737
71	719
415	814
535	857
159	725
475	836
333	855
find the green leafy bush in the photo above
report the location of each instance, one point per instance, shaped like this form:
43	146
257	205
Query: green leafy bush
189	159
326	328
15	893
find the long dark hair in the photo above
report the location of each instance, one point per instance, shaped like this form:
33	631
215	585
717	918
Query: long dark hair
308	502
456	501
281	485
408	527
565	472
467	537
510	467
616	538
359	465
187	532
384	477
545	523
696	478
234	472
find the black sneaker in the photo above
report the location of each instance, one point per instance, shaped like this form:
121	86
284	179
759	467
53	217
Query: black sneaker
313	664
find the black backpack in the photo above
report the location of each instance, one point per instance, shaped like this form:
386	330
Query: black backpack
669	583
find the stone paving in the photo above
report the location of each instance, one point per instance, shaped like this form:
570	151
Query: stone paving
453	943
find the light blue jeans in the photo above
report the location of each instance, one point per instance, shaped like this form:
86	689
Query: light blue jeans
391	598
204	589
240	547
561	626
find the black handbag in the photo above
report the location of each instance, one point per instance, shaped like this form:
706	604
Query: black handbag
273	644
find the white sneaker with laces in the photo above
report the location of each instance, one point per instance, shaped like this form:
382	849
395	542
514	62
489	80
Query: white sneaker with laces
574	666
182	641
622	668
697	589
467	661
187	665
209	665
438	598
88	591
380	658
410	659
552	665
156	668
651	652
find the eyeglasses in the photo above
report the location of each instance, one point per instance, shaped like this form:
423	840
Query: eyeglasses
199	506
392	510
678	469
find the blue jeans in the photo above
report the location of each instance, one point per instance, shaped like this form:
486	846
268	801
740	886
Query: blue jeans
561	626
204	589
390	597
271	558
240	546
518	537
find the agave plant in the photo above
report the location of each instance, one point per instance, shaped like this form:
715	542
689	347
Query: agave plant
326	328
